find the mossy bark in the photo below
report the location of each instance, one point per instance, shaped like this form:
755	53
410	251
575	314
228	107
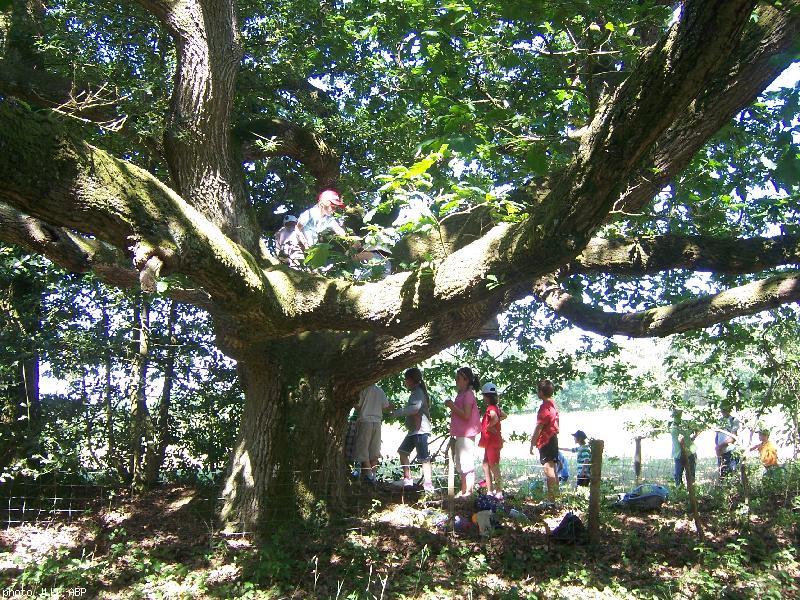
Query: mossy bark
288	461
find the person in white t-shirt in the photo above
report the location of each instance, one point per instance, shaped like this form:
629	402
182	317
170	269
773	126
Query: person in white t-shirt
371	406
725	443
319	218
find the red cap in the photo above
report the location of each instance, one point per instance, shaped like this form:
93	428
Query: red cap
331	196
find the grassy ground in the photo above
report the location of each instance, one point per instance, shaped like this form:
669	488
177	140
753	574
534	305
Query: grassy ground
164	545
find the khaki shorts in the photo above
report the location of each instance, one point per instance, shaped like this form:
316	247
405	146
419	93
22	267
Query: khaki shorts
464	452
368	442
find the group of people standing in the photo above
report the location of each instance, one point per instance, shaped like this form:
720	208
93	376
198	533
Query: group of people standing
726	446
469	430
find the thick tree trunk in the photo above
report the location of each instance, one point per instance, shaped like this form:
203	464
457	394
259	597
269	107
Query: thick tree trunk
288	461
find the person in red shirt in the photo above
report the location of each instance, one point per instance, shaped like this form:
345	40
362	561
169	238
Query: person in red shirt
545	436
492	440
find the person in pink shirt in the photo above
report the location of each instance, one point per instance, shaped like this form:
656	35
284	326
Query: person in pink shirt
465	424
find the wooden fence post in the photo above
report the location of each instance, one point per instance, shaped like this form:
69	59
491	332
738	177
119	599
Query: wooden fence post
595	477
637	460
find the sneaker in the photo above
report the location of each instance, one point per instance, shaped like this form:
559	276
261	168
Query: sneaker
408	482
370	479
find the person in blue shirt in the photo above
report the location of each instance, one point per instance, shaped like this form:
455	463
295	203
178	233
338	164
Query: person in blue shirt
583	457
563	468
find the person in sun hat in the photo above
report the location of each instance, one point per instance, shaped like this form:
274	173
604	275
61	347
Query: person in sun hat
492	440
320	218
287	245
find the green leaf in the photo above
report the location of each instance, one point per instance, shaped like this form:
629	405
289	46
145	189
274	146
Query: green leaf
536	160
420	167
317	255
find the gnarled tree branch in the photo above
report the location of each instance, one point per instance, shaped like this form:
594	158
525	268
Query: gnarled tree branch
80	254
666	320
262	138
735	83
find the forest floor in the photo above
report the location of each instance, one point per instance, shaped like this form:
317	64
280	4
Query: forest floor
164	545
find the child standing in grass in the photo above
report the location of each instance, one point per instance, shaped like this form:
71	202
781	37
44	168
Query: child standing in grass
583	456
767	451
545	436
492	440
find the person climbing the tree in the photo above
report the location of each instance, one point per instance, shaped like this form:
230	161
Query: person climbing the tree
492	440
465	424
545	436
418	425
287	243
319	218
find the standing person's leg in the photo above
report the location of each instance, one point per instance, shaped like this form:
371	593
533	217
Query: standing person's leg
492	460
487	472
548	456
458	450
374	449
469	476
551	477
425	458
678	472
361	446
725	464
407	445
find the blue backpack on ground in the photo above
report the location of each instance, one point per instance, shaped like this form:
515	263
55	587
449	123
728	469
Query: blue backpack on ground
648	496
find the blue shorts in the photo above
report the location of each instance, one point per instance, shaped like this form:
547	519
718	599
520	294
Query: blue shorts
418	441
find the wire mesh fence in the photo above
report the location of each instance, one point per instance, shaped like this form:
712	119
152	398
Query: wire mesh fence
58	497
62	497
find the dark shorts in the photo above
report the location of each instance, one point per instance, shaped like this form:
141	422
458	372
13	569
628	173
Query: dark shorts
418	441
583	481
549	452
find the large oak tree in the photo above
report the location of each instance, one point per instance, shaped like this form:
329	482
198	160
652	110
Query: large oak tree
156	141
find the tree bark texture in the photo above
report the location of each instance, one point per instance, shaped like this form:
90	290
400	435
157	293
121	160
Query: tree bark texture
288	460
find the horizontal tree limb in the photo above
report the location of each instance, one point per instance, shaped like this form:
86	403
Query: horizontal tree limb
648	255
666	320
80	254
